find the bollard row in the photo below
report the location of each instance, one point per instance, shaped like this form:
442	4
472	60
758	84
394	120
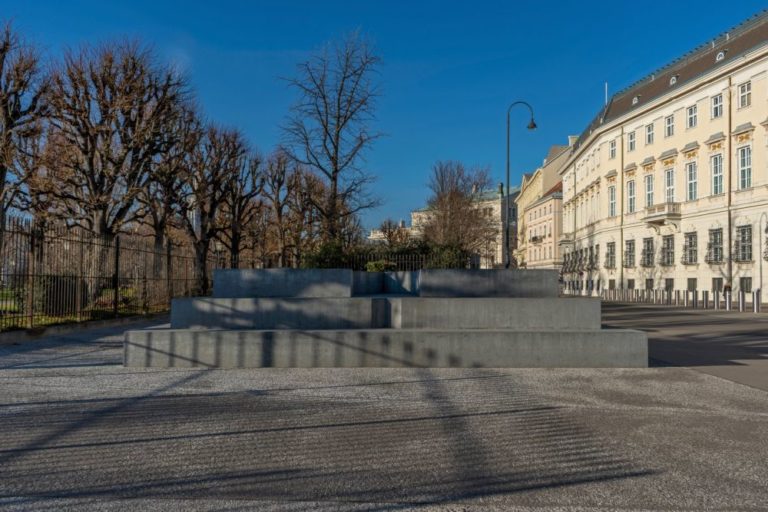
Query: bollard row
689	298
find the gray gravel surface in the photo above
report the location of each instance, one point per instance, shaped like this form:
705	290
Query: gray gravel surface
79	432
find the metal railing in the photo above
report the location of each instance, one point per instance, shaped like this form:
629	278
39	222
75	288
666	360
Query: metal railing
695	299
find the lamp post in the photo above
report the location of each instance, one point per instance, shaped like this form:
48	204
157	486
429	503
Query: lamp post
531	126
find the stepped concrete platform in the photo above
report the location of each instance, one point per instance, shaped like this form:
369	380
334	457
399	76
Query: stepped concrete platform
351	348
385	312
340	318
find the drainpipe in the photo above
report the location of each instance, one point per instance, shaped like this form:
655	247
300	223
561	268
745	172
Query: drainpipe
729	271
620	192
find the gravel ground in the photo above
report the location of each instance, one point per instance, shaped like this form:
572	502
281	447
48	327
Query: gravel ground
80	432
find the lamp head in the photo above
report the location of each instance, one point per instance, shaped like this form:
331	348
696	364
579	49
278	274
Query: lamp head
532	125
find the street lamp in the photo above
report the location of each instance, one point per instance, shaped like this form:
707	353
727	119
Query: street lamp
531	126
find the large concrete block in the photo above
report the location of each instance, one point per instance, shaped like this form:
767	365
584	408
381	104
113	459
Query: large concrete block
401	282
280	313
386	348
282	282
495	313
367	283
488	283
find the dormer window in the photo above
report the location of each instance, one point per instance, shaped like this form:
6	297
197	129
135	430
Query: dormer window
720	55
635	99
673	80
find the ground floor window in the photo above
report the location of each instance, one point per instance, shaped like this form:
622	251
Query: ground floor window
611	284
692	284
745	284
717	284
649	284
630	284
669	284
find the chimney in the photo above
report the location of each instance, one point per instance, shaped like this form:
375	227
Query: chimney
572	139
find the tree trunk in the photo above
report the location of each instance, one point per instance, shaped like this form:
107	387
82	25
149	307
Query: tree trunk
201	267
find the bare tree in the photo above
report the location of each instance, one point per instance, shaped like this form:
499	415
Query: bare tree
277	193
456	218
111	107
240	203
22	107
207	175
160	198
328	129
394	234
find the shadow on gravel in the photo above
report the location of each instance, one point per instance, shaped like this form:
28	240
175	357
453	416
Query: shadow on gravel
436	441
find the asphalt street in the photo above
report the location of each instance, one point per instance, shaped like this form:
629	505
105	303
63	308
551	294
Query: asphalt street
80	432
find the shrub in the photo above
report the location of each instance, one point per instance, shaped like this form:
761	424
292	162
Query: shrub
380	266
327	255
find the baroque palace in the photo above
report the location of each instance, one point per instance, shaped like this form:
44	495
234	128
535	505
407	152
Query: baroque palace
668	186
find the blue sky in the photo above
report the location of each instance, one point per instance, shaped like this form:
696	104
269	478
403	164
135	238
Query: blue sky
449	68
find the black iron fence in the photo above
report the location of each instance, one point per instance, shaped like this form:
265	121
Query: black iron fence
57	275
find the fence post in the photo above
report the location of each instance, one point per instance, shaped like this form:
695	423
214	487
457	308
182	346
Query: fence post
116	276
168	271
31	276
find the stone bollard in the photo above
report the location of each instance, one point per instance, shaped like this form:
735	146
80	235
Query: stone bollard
716	299
756	298
728	303
685	298
677	297
695	300
742	301
705	299
669	297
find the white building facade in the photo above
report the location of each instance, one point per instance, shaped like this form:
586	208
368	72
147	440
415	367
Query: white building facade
668	186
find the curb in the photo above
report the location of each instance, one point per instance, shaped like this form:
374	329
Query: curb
21	336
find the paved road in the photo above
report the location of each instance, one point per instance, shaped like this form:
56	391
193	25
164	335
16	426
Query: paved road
726	344
78	431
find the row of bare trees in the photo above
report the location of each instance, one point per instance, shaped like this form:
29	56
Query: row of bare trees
110	140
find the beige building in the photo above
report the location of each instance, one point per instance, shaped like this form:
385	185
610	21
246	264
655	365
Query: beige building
668	186
534	187
544	222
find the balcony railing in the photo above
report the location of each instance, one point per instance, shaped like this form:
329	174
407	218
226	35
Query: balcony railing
661	213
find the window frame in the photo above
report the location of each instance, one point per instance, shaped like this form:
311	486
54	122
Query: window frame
648	180
669	186
745	171
612	149
692	181
649	134
745	94
631	196
612	201
717	106
669	126
692	116
716	171
631	141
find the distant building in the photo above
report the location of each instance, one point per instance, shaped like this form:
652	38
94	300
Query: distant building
534	187
543	227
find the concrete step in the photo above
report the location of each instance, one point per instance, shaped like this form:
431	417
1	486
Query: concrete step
386	348
385	312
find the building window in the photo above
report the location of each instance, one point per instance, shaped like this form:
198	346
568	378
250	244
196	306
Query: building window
612	149
669	126
690	173
646	258
611	284
745	167
668	250
629	253
690	249
648	190
744	243
717	106
715	246
745	284
630	141
649	284
745	94
692	284
612	201
631	196
716	163
669	182
669	284
717	284
610	255
692	112
630	284
649	134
